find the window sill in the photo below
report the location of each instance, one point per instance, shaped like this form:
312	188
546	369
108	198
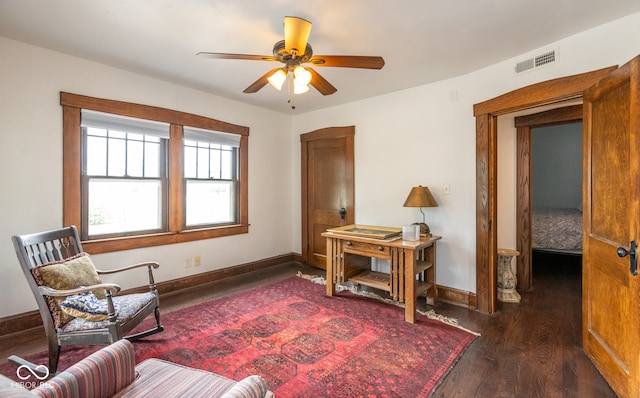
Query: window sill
166	238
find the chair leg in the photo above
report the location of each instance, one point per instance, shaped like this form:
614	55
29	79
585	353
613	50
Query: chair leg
157	329
156	313
54	357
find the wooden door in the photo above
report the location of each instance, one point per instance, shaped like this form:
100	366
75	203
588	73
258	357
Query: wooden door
327	188
611	294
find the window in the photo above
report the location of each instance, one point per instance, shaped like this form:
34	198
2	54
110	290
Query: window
124	179
137	176
211	177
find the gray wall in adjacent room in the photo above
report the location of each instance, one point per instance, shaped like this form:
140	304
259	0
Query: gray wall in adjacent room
557	166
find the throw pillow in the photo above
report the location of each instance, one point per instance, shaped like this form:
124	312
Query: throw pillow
87	306
66	274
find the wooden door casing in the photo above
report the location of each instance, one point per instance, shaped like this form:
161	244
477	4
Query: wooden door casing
327	186
611	201
545	93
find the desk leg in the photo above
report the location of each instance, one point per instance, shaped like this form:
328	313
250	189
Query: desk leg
410	284
331	265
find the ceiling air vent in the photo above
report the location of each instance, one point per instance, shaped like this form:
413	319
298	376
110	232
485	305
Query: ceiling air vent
536	62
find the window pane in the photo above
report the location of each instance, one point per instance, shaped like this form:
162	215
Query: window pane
203	163
117	156
117	134
152	159
209	202
227	167
215	164
135	149
190	161
96	131
117	206
96	156
135	137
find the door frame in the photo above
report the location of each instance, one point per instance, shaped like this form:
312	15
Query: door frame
486	113
327	133
524	126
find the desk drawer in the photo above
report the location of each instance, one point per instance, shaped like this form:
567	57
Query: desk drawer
366	249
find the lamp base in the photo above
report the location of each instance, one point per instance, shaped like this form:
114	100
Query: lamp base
424	229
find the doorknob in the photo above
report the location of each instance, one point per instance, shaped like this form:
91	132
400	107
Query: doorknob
343	213
633	256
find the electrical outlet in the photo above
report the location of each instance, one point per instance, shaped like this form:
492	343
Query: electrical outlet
446	189
187	262
196	261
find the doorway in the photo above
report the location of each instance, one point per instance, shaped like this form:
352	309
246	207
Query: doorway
546	93
524	183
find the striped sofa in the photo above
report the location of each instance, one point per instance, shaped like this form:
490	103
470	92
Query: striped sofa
111	372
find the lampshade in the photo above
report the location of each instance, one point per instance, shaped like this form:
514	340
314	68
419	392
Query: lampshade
420	197
299	88
277	79
301	75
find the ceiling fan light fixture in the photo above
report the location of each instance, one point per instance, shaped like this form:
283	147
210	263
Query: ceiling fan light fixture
299	88
301	75
293	51
277	79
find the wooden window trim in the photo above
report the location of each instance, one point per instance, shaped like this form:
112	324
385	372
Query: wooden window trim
72	156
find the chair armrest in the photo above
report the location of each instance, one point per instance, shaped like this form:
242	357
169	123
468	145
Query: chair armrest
150	264
103	373
48	291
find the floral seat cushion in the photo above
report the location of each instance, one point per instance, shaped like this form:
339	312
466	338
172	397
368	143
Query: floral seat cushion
128	306
86	305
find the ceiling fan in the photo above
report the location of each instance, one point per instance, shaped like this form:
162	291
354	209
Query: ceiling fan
294	51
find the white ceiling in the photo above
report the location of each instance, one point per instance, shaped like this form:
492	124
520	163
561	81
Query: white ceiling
421	40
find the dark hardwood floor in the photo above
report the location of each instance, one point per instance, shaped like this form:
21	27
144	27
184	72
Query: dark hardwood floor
531	349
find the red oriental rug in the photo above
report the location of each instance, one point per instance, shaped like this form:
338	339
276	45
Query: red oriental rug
303	343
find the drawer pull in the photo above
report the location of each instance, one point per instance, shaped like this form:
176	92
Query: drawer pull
381	248
349	243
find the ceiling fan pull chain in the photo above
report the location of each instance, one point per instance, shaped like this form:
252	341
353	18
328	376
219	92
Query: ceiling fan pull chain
289	91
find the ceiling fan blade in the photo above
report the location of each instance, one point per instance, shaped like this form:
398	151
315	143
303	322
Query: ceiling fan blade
296	35
261	82
247	57
320	83
348	61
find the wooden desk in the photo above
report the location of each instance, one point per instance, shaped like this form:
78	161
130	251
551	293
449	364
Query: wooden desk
348	258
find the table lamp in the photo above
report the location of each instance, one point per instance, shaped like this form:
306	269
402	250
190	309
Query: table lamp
421	197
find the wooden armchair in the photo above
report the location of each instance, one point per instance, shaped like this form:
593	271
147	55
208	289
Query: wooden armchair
68	289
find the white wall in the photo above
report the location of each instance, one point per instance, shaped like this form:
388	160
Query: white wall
427	135
31	79
607	45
